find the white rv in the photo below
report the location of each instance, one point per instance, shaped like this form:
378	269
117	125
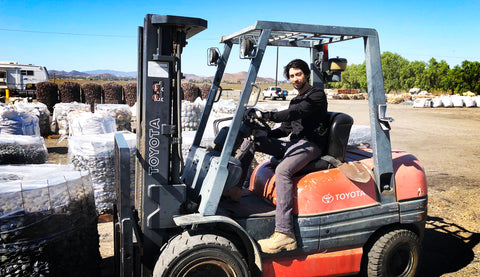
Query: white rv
20	78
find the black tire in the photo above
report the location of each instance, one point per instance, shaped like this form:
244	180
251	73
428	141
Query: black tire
200	255
396	253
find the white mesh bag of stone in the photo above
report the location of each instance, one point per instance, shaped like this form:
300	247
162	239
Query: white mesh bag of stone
18	123
446	101
39	110
48	224
121	113
457	101
191	114
96	154
17	149
437	102
86	123
469	101
60	115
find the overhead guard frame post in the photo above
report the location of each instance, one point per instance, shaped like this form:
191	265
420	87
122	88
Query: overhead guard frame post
214	183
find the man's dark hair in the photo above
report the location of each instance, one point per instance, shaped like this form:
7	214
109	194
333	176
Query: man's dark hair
299	64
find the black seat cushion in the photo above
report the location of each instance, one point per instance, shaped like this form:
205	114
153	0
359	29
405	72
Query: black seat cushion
338	134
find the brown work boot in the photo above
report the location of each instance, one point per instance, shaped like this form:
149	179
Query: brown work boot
278	242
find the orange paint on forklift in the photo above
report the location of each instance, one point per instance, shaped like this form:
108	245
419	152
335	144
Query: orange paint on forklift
334	263
330	190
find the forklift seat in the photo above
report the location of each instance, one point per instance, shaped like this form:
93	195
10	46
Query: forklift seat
338	134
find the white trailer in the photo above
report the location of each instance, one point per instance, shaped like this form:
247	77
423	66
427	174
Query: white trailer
21	78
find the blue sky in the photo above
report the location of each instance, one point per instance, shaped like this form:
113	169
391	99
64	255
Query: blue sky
90	35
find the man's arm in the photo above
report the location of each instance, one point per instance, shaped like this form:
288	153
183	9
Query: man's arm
282	131
315	101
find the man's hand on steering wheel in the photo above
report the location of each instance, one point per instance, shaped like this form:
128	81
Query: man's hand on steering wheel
254	113
258	119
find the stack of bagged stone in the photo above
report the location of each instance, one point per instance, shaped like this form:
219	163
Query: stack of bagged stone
20	141
39	110
96	154
48	224
120	112
60	115
19	149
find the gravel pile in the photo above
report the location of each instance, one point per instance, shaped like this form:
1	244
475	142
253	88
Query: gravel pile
47	222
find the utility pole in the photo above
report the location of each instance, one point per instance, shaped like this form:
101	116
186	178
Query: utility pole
276	70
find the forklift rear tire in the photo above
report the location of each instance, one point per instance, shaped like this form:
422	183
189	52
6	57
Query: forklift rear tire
200	255
396	253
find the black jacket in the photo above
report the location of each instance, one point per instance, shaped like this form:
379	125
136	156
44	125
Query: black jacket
305	118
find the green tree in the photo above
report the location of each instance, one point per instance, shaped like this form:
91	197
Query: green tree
393	65
470	76
412	75
445	78
355	77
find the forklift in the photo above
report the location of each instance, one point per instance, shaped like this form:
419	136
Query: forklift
363	210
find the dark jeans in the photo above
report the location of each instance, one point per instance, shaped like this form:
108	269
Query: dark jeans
295	155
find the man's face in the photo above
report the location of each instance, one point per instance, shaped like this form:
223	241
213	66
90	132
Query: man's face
297	78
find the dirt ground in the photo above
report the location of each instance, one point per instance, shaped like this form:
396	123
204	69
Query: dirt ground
447	142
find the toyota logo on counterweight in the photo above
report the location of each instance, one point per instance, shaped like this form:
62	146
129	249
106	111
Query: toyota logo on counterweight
327	198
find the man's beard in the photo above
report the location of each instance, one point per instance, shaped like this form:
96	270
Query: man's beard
299	86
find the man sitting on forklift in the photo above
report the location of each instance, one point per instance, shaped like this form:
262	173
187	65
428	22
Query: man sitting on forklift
306	122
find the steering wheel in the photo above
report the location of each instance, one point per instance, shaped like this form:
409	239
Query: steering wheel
252	121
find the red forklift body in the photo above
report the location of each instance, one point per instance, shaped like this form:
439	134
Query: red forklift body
330	190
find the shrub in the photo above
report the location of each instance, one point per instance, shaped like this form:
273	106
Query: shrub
69	92
130	90
112	93
92	93
205	89
190	91
47	93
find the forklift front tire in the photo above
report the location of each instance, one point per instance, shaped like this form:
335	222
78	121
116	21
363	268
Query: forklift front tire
200	255
395	253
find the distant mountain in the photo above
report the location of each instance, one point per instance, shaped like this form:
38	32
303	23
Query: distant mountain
227	77
75	73
113	72
65	73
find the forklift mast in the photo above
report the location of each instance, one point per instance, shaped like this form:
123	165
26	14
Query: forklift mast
159	159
